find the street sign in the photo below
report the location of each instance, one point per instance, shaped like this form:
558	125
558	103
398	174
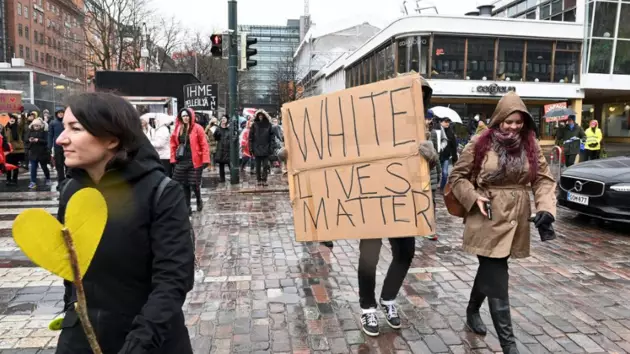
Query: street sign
201	96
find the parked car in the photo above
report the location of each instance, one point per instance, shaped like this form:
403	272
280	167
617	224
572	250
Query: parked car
599	188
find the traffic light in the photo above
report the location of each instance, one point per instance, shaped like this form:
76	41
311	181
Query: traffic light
217	45
247	52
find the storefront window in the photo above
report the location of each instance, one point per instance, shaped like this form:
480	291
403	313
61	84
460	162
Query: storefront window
380	65
16	80
600	56
448	57
617	120
622	58
510	59
390	60
604	22
480	58
404	51
567	64
539	61
412	52
365	70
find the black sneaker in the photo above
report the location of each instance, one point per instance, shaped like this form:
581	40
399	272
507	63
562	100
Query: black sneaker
391	315
369	324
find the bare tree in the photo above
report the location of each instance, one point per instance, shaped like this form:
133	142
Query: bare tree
113	32
165	37
285	77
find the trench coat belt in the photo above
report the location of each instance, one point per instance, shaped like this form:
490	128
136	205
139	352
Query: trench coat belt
508	187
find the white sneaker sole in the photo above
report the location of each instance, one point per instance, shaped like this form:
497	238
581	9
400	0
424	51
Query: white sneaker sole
369	333
391	325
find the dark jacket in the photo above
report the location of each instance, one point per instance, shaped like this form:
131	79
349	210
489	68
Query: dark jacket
222	136
566	133
143	267
55	127
261	136
38	151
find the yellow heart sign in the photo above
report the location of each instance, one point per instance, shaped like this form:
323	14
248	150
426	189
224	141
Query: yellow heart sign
39	234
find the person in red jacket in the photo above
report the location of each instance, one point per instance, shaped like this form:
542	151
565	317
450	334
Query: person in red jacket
190	154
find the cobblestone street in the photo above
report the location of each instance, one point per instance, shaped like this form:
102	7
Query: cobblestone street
263	292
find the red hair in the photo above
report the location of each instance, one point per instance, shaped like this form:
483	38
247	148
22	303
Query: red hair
484	144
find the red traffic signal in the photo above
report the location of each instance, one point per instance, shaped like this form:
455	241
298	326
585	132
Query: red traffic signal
217	45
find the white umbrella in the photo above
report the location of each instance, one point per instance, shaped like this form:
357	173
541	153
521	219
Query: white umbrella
445	112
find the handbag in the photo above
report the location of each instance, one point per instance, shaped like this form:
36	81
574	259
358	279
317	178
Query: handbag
453	205
181	150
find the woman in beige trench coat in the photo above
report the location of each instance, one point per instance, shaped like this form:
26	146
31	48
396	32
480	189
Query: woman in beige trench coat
497	168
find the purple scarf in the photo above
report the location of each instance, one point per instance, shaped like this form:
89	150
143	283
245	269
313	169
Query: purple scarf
512	156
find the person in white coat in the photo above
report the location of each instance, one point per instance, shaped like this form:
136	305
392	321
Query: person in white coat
160	137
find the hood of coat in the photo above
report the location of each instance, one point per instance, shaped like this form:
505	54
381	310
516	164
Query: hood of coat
511	103
164	120
191	113
266	115
145	161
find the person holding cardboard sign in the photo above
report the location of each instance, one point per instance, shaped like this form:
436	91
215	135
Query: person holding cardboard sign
491	181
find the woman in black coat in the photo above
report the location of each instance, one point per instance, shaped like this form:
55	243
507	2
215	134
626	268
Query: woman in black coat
144	265
222	157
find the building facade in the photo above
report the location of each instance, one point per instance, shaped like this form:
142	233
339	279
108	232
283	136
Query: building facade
548	10
260	86
48	35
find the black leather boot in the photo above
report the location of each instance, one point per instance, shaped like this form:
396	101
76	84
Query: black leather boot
473	318
500	312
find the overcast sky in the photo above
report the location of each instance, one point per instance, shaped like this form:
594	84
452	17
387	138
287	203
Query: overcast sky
209	15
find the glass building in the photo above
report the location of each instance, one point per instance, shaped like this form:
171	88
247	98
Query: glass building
44	90
551	10
276	45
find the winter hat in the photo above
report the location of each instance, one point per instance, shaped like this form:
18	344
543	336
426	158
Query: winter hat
572	117
36	122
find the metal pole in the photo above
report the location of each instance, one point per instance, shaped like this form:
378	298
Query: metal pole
232	82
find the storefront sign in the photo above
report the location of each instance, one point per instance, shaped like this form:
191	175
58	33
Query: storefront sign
201	96
494	89
550	107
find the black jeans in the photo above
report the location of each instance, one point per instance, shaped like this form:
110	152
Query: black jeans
60	163
592	155
569	160
403	250
16	159
188	193
261	168
492	277
222	171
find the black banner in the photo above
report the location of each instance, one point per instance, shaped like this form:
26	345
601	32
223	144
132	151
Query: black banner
201	96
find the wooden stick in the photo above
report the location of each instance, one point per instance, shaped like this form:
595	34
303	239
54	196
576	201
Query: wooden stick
81	304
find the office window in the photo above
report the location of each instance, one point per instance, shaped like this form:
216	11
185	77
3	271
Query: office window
21	54
35	37
36	57
25	10
531	15
539	61
556	7
448	57
624	24
521	6
19	9
569	16
545	11
604	22
28	53
567	64
622	58
531	4
20	30
27	34
55	62
600	56
510	59
480	58
41	19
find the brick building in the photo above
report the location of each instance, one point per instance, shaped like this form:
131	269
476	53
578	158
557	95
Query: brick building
47	34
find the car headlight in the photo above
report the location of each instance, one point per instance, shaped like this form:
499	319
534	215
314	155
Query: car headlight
621	187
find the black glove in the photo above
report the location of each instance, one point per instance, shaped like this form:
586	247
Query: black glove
544	223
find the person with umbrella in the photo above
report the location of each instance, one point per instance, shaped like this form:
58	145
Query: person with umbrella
570	137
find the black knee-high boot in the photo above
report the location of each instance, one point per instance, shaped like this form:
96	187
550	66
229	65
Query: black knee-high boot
473	318
500	312
187	195
198	197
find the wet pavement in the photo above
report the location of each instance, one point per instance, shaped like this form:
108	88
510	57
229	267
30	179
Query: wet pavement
265	293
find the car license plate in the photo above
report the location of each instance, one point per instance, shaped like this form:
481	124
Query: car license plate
577	198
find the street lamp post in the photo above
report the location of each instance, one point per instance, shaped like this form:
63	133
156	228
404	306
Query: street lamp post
232	82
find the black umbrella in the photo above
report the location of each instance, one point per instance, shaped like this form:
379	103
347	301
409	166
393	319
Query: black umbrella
560	112
29	107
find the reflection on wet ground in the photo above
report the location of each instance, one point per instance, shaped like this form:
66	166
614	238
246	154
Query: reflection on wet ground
265	292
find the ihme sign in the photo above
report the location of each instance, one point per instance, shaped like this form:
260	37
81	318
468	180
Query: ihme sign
493	89
201	96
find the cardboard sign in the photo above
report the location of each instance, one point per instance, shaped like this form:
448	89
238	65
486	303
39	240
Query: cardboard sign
10	103
201	97
354	167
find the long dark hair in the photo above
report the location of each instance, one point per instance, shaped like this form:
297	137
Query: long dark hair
106	115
